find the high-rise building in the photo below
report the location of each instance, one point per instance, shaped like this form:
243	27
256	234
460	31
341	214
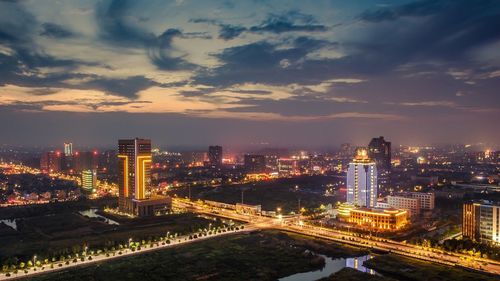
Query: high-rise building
68	149
362	180
481	221
380	151
287	167
255	164
89	179
50	162
134	179
86	160
215	156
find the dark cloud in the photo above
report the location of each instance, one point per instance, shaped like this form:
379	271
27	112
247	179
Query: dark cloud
263	62
442	32
292	21
420	8
127	87
116	27
159	52
439	29
55	31
17	25
289	22
114	24
228	32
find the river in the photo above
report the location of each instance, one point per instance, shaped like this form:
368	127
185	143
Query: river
332	266
92	213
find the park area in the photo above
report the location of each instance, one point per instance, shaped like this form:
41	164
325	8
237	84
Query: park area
55	235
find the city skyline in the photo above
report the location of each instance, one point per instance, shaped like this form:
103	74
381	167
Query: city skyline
243	72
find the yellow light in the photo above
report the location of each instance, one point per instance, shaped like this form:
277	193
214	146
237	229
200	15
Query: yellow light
125	176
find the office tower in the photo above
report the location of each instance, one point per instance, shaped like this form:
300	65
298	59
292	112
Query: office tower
86	160
50	162
89	179
215	156
287	167
134	169
481	221
362	180
380	151
68	149
255	164
134	179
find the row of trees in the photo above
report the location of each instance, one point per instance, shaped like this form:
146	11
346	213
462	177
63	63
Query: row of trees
82	252
463	246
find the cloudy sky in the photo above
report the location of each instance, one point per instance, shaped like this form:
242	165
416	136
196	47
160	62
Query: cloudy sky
191	72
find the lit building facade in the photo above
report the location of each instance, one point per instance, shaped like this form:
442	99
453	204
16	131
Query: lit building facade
406	203
379	151
481	221
362	180
287	167
134	166
380	219
215	156
427	200
68	149
89	179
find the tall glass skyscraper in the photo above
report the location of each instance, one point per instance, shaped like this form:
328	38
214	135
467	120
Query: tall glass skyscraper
362	180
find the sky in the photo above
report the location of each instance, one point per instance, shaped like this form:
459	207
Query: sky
302	73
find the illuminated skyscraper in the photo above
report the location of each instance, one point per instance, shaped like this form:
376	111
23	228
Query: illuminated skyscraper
134	180
362	180
134	172
68	149
215	156
380	151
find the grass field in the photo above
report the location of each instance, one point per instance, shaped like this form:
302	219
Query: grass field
260	255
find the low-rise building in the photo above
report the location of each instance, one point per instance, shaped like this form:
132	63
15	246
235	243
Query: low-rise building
248	209
405	203
427	200
379	219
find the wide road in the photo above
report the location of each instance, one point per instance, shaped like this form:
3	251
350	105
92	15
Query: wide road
409	250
